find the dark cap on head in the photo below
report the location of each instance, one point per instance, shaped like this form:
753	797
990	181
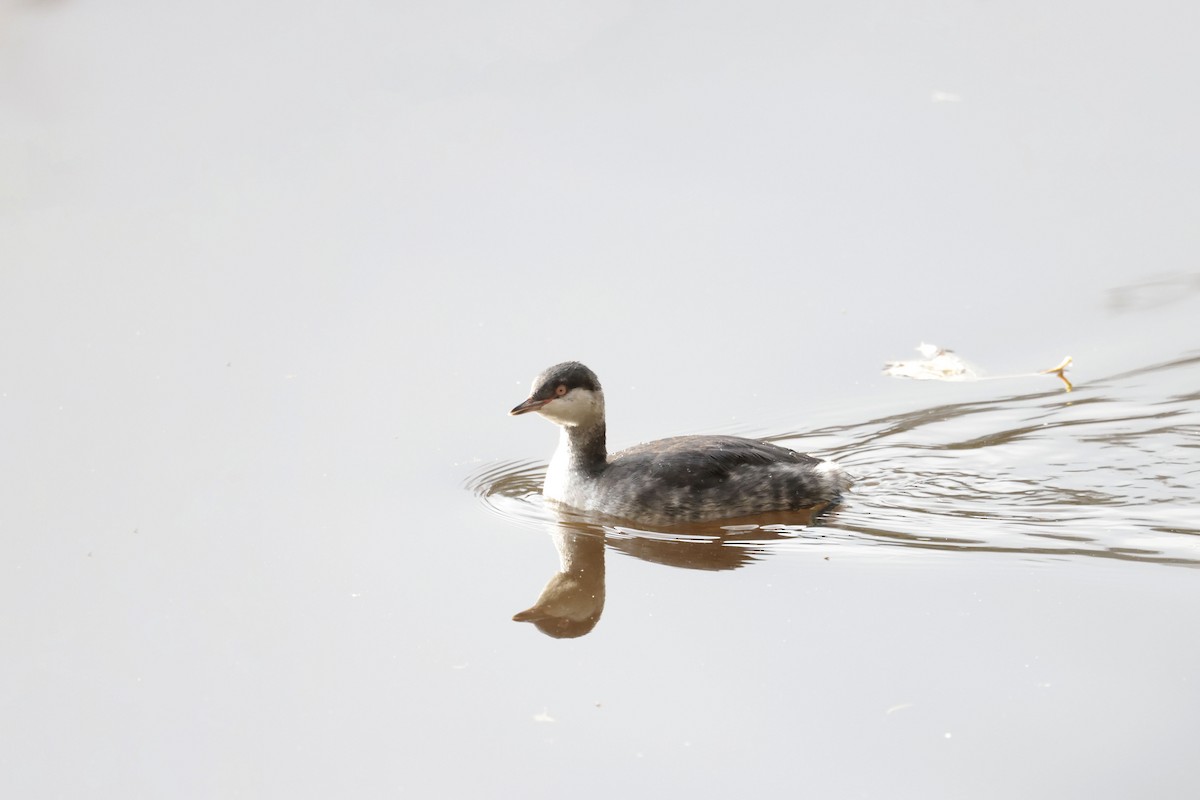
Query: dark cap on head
571	374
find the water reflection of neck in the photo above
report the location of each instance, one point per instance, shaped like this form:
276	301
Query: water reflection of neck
572	601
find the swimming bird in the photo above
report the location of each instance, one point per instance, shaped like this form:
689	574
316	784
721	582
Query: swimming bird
680	479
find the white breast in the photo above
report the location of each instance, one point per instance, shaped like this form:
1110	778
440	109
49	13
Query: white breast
564	484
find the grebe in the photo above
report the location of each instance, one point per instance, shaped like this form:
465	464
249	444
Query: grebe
681	479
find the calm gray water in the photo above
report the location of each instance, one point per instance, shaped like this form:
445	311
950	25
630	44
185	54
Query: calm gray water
271	278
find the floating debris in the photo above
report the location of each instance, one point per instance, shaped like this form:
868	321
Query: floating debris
940	364
1060	371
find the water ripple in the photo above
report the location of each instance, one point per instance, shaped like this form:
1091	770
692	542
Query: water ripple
1109	471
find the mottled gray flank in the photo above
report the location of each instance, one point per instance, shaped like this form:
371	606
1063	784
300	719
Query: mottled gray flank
695	478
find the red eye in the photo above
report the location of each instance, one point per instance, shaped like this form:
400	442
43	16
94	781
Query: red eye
560	390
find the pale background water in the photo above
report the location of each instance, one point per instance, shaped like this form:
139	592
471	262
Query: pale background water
271	275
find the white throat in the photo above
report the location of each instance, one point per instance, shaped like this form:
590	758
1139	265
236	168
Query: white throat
580	417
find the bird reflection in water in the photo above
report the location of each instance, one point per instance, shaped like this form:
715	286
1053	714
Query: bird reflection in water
572	601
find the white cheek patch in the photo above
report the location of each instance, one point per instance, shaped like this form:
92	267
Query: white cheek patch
574	408
557	411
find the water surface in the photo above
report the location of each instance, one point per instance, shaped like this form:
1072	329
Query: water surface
271	277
